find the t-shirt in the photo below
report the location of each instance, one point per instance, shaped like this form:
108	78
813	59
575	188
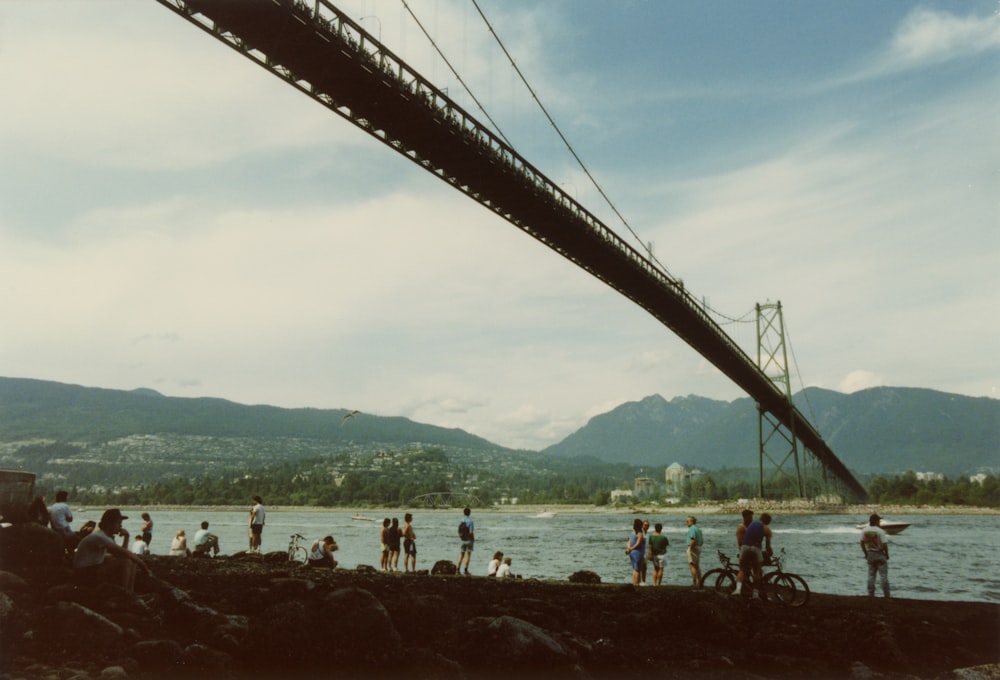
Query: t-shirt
60	515
92	549
874	539
503	571
754	535
261	512
140	548
493	568
694	532
201	536
658	544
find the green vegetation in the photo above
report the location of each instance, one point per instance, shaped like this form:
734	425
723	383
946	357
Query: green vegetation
908	489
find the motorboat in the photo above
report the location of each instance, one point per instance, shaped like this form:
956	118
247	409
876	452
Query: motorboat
891	528
362	518
545	514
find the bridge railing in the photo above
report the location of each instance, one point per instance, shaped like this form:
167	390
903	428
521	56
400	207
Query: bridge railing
328	18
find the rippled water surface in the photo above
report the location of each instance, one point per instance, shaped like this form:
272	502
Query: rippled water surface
940	557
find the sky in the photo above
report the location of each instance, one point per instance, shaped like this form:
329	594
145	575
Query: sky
174	217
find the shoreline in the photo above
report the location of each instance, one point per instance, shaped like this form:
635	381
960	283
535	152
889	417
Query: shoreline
759	505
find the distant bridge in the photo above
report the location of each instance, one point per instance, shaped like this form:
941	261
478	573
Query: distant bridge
319	50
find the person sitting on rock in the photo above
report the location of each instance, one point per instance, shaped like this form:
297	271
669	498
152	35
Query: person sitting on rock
139	546
204	541
321	554
495	563
504	570
90	563
179	546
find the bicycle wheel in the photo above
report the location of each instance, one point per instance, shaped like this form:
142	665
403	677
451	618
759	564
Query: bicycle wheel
725	583
298	554
709	578
801	589
779	588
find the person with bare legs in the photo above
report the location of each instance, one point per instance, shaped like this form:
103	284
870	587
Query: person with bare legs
467	535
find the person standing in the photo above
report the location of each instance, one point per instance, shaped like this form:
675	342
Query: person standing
409	544
756	546
395	533
875	546
383	538
467	535
636	550
647	557
695	540
740	532
258	514
147	528
658	552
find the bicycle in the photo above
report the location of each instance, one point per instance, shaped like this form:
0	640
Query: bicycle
788	588
297	551
784	587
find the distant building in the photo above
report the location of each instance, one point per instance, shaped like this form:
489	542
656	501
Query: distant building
618	495
644	486
674	477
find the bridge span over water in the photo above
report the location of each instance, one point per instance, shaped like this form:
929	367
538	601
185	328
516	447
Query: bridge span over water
319	50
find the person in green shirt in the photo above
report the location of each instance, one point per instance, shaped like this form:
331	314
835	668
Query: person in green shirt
695	541
658	549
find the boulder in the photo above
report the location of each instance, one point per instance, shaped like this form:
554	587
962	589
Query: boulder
444	568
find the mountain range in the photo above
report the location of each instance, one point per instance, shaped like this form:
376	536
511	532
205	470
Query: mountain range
881	430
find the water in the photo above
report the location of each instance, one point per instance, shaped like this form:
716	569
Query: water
940	557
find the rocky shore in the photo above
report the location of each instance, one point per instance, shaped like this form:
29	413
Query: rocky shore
261	617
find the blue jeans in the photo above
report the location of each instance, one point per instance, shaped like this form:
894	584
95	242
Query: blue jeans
878	563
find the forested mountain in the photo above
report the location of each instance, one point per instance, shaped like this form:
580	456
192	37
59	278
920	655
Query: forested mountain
879	430
90	432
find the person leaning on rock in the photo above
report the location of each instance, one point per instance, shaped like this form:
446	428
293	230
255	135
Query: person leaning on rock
91	563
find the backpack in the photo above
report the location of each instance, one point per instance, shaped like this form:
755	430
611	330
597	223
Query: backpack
463	530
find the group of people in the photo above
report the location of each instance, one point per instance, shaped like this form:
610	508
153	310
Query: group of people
644	548
390	538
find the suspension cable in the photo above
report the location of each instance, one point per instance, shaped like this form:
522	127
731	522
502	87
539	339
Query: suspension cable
456	74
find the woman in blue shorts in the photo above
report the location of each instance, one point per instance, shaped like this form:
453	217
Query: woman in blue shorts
636	550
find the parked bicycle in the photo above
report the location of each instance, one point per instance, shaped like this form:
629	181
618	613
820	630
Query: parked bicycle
778	585
297	550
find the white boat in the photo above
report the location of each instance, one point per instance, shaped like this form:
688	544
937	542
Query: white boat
891	528
545	514
362	518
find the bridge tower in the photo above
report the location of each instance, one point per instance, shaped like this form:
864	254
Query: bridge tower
779	448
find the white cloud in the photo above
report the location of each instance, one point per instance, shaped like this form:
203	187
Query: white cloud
933	36
856	381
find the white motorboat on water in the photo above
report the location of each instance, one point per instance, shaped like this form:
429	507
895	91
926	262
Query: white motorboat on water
362	518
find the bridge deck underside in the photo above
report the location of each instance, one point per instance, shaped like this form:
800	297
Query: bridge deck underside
403	118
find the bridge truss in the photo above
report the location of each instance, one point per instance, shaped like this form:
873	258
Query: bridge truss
319	50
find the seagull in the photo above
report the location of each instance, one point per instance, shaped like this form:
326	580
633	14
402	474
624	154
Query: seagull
349	415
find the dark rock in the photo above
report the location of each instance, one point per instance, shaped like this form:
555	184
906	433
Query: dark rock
68	625
584	577
444	568
157	654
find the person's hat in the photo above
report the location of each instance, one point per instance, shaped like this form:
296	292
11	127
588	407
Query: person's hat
112	515
874	519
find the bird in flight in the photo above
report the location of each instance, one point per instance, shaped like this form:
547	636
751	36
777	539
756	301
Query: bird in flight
349	415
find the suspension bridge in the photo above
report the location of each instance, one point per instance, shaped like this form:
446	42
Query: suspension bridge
319	50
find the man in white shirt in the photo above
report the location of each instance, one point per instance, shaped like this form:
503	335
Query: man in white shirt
205	540
875	546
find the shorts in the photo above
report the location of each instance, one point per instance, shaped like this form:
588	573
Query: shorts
467	546
409	547
256	529
385	547
659	561
694	555
751	556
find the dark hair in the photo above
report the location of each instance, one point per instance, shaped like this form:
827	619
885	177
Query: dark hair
386	522
328	539
395	521
468	510
748	514
407	517
637	525
658	527
204	525
258	499
61	496
765	518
